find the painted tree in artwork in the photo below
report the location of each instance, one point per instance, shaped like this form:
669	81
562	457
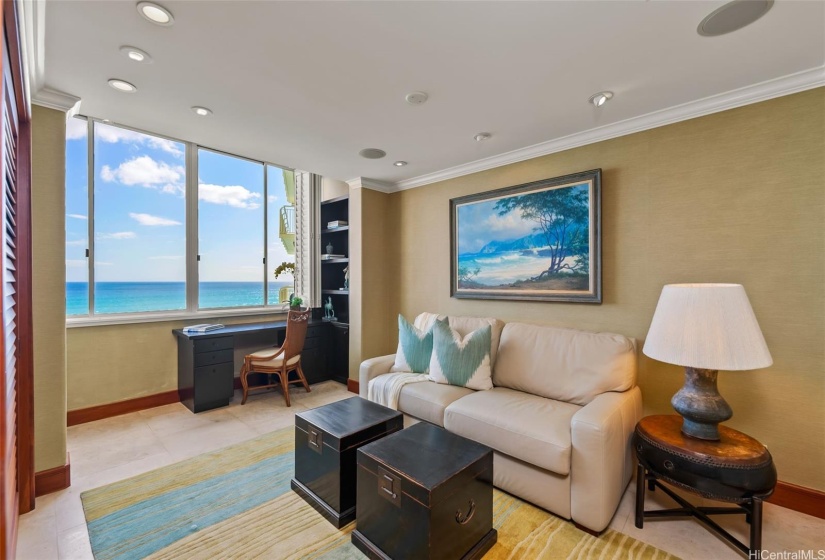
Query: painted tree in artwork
562	215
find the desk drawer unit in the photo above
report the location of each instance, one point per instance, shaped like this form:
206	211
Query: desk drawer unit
314	355
206	372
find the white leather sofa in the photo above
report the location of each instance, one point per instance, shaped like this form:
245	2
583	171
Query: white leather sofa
559	418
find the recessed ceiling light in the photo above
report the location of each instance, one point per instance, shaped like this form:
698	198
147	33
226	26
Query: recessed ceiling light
202	111
122	85
400	163
599	99
136	54
482	136
416	98
733	16
155	13
372	153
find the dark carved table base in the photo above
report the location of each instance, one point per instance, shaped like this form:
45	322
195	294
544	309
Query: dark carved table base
752	510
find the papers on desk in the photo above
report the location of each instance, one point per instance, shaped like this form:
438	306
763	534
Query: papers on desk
205	327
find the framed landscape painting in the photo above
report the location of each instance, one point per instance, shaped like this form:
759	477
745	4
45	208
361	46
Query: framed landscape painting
537	241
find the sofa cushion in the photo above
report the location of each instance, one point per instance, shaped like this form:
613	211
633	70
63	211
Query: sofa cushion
461	361
427	400
564	364
524	426
415	348
464	326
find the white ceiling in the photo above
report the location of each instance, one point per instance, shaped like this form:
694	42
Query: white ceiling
309	84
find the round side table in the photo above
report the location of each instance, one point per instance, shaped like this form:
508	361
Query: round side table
736	469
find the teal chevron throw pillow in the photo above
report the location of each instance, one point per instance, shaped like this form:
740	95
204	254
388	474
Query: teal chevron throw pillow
464	362
414	348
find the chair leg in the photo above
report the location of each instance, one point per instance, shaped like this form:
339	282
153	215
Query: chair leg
303	379
284	375
244	382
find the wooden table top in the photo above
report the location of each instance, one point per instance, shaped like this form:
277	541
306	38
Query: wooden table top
733	449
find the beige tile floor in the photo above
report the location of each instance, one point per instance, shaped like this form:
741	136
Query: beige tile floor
116	448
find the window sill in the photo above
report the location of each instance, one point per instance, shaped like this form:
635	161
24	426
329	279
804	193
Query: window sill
170	316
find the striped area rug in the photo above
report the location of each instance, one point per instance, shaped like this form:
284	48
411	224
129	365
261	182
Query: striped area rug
236	503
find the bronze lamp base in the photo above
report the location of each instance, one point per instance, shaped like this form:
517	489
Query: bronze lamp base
701	406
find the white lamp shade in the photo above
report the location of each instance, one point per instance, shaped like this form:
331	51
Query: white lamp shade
706	326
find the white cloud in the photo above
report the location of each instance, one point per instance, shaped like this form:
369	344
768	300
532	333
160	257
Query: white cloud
513	223
150	220
230	195
75	129
166	258
77	242
78	216
272	198
145	172
75	263
113	135
117	235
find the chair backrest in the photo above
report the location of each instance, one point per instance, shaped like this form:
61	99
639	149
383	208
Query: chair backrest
296	333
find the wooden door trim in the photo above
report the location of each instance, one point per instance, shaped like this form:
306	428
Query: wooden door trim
25	351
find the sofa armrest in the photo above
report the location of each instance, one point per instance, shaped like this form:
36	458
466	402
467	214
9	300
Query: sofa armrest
373	368
602	462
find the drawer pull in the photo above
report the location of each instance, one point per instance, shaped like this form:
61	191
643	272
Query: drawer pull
669	464
462	519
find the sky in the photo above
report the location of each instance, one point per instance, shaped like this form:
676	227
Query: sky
140	214
479	223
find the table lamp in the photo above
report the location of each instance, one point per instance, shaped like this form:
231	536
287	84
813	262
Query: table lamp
705	328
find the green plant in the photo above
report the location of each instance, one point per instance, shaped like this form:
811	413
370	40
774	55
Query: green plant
296	301
285	267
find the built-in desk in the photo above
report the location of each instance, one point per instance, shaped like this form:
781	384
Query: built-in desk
207	362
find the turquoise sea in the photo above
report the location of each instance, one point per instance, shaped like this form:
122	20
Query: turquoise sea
130	297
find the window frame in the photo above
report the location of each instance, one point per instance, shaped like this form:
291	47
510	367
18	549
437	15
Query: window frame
192	280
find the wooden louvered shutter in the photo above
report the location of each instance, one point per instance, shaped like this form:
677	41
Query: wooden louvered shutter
16	408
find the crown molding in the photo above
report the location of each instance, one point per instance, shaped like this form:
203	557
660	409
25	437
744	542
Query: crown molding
53	99
372	184
785	85
32	15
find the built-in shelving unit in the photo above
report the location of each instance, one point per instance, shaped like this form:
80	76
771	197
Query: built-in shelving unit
333	288
333	270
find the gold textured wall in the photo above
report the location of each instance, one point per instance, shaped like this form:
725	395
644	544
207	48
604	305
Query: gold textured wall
48	286
372	245
737	196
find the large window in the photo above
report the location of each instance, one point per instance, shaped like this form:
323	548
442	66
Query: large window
230	231
129	236
77	217
139	216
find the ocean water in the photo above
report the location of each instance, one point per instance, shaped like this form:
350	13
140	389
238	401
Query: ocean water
131	297
506	267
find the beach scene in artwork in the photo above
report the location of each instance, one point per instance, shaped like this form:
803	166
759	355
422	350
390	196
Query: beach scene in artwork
539	241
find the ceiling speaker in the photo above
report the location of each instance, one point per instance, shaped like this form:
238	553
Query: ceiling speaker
733	16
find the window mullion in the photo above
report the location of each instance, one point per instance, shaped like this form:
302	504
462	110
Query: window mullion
90	212
266	233
192	268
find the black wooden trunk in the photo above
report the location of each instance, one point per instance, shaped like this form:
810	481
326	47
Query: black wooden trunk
425	493
326	440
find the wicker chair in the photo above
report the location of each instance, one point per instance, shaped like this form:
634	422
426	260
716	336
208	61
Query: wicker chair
280	361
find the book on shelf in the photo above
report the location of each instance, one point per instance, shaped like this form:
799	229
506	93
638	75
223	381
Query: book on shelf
336	223
202	328
329	256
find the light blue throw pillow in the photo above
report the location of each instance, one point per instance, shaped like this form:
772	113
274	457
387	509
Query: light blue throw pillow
464	362
415	348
